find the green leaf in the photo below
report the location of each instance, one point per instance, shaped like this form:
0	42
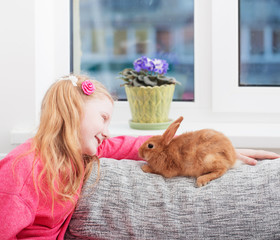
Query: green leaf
141	78
135	83
149	82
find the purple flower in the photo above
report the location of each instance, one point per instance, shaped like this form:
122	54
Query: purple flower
161	66
149	65
138	63
154	66
143	63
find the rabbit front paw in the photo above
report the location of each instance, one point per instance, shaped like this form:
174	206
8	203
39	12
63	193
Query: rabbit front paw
146	168
202	181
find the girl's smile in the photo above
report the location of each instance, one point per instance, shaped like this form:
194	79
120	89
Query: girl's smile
94	125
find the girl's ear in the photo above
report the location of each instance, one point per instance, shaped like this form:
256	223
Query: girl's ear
171	130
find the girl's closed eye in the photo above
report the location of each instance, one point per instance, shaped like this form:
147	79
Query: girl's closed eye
105	117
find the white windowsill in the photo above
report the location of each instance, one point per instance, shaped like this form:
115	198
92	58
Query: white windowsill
242	135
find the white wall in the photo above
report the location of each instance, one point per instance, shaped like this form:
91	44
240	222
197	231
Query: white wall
30	60
17	61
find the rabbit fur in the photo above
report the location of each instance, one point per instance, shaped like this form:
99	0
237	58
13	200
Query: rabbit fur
204	154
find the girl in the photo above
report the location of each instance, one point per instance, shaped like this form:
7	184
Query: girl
41	179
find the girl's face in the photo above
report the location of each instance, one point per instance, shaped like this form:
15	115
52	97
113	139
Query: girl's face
94	125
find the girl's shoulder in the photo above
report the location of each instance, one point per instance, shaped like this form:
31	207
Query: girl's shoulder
20	149
22	153
17	167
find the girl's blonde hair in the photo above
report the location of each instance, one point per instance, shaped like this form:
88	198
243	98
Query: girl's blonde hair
57	141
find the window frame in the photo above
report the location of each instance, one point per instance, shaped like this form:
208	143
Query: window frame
202	51
228	96
245	125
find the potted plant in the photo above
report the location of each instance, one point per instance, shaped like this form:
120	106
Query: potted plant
149	93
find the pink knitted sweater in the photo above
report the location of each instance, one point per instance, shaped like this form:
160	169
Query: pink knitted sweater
26	214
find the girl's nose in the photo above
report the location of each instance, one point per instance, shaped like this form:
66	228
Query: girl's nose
105	133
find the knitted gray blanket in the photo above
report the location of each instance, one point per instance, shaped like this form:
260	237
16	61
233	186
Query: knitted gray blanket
130	204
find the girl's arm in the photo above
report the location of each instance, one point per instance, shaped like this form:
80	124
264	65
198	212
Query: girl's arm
250	156
126	147
122	147
15	215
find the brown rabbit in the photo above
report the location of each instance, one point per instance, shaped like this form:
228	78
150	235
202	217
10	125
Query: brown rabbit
205	154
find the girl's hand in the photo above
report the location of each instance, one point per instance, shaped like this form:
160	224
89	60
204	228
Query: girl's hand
250	156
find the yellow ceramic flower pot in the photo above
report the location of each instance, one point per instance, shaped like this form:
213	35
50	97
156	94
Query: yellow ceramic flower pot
150	106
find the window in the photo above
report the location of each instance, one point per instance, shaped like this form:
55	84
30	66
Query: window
256	42
142	42
259	26
111	34
248	115
276	41
252	62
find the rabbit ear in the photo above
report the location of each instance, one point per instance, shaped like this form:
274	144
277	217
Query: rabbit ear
171	130
178	120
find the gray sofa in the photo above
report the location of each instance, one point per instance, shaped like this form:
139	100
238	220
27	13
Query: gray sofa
130	204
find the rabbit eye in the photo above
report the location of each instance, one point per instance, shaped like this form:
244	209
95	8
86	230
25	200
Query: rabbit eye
150	145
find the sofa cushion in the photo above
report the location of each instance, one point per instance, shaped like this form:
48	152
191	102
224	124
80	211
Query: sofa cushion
130	204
